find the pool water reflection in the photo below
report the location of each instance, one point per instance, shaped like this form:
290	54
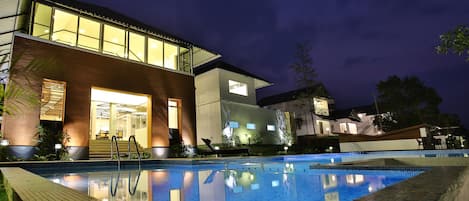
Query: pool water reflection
272	182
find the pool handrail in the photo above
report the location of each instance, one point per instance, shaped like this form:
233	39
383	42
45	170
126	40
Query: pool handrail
114	142
136	148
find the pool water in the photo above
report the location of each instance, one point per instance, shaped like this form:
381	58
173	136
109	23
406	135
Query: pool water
234	181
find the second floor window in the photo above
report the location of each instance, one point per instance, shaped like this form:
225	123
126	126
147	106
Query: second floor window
321	107
238	88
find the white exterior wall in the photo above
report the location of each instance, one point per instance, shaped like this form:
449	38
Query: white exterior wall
309	126
208	111
215	104
225	76
365	126
382	145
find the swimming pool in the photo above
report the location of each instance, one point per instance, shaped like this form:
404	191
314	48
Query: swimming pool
271	180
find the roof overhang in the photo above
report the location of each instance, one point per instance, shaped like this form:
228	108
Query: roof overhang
12	13
258	83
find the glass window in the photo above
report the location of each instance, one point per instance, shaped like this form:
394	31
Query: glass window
120	114
136	47
323	127
42	16
352	128
270	127
238	88
343	127
170	56
65	28
234	124
52	100
251	126
88	34
184	59
321	107
155	52
173	114
114	41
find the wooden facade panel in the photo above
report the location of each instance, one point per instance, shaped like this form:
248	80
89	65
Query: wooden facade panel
82	70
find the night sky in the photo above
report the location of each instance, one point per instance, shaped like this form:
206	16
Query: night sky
355	43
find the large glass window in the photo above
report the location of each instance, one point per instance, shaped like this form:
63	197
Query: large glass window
170	56
155	52
89	34
136	47
65	28
42	16
114	41
238	88
119	114
52	100
321	107
173	114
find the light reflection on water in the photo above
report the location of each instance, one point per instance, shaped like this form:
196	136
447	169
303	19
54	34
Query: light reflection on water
272	182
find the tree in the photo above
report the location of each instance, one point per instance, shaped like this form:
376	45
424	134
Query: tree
457	41
306	79
406	102
305	74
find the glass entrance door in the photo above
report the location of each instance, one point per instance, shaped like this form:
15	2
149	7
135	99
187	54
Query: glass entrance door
119	114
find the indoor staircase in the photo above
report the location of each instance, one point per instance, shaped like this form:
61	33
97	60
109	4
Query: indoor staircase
101	149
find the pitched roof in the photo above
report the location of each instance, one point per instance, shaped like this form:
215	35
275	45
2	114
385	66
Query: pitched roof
286	96
109	15
226	66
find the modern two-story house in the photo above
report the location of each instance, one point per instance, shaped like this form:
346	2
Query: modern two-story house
99	74
227	111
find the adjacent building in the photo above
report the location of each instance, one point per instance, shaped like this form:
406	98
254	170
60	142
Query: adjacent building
356	120
227	111
311	117
99	74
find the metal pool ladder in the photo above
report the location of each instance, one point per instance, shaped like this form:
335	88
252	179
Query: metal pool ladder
132	137
114	143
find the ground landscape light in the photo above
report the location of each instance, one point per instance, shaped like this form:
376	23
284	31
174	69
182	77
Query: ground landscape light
4	142
58	146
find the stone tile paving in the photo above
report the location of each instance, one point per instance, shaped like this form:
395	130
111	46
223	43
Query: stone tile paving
29	186
430	185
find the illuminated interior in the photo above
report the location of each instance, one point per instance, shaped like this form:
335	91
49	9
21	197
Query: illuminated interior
348	128
41	26
52	100
89	34
323	127
321	107
136	47
76	30
114	41
173	114
238	88
65	28
119	114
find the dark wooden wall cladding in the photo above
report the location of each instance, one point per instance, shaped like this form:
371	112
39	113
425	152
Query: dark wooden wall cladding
82	70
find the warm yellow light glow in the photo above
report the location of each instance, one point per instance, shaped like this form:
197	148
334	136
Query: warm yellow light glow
175	195
238	88
321	106
116	97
